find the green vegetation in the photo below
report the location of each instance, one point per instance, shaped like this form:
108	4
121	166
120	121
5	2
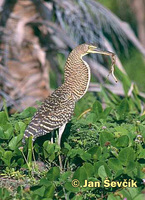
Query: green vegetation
132	60
98	143
135	67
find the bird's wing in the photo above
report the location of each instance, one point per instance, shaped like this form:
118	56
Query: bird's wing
53	113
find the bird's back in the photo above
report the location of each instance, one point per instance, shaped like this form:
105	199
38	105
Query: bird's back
55	111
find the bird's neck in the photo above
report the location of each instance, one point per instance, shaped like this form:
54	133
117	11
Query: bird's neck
77	76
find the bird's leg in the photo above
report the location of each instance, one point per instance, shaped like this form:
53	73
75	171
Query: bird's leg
52	135
61	130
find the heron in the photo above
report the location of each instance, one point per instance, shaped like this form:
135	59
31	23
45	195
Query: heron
58	108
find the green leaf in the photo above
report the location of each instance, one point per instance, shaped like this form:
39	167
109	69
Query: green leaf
98	164
115	164
112	197
106	137
7	134
124	79
136	97
64	176
7	157
122	141
142	154
89	169
77	198
84	103
4	194
45	182
97	108
130	167
123	108
28	112
40	191
102	172
2	151
91	118
1	133
74	152
125	194
85	156
13	144
53	174
20	161
80	174
121	130
50	150
106	112
20	127
134	192
67	146
113	98
49	192
126	155
68	186
105	95
140	197
3	118
95	152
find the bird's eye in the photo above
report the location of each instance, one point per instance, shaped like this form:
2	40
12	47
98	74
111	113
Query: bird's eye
91	47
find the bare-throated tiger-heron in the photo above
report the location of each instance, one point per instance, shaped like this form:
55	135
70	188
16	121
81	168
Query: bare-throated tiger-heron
58	108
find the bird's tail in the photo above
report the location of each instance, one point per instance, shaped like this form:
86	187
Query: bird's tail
33	130
27	134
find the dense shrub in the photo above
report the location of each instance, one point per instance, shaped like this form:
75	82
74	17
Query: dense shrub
97	145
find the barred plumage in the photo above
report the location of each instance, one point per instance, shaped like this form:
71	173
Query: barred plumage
54	112
58	108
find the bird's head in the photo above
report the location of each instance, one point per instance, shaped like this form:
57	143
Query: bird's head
85	49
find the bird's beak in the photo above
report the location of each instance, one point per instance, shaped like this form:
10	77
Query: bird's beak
93	49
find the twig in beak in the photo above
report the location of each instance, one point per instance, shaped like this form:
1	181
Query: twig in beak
108	53
112	66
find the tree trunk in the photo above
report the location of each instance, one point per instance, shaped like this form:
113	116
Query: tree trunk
25	71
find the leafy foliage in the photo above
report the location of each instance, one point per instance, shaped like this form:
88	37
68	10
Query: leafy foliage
98	143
